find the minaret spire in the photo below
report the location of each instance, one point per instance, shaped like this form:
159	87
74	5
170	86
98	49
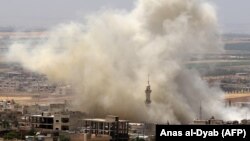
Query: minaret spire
148	92
148	80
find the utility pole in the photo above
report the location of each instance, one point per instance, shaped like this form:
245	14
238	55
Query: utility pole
200	112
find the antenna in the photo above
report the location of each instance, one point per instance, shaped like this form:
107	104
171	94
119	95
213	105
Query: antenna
148	79
200	114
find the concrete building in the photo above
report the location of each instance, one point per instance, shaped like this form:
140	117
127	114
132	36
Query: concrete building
245	121
211	121
8	105
23	123
9	119
111	125
42	122
34	109
25	81
63	89
67	121
144	130
59	107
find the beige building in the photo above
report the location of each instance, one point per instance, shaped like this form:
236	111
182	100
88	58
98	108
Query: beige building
67	121
110	126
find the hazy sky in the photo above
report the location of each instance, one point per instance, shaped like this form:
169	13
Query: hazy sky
234	15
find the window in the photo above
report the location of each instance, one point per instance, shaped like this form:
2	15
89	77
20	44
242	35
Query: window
65	127
65	120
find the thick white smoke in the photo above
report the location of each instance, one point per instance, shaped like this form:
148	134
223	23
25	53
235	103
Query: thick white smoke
108	58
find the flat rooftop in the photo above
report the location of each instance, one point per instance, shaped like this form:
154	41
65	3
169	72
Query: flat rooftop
102	120
42	116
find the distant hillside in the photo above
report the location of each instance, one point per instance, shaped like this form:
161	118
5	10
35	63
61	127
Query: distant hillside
233	35
238	46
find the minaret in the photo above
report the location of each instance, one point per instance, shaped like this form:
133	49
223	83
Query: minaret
148	92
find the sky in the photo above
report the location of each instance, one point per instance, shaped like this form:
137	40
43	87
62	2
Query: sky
234	15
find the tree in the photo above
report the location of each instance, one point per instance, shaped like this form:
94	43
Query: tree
31	132
64	138
11	135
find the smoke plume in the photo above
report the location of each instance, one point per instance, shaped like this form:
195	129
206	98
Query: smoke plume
108	57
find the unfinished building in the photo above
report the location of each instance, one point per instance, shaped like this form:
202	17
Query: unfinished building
111	125
58	122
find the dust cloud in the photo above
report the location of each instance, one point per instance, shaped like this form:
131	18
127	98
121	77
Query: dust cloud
108	57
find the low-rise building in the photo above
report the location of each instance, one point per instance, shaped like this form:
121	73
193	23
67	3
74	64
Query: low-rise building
8	105
111	125
65	121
